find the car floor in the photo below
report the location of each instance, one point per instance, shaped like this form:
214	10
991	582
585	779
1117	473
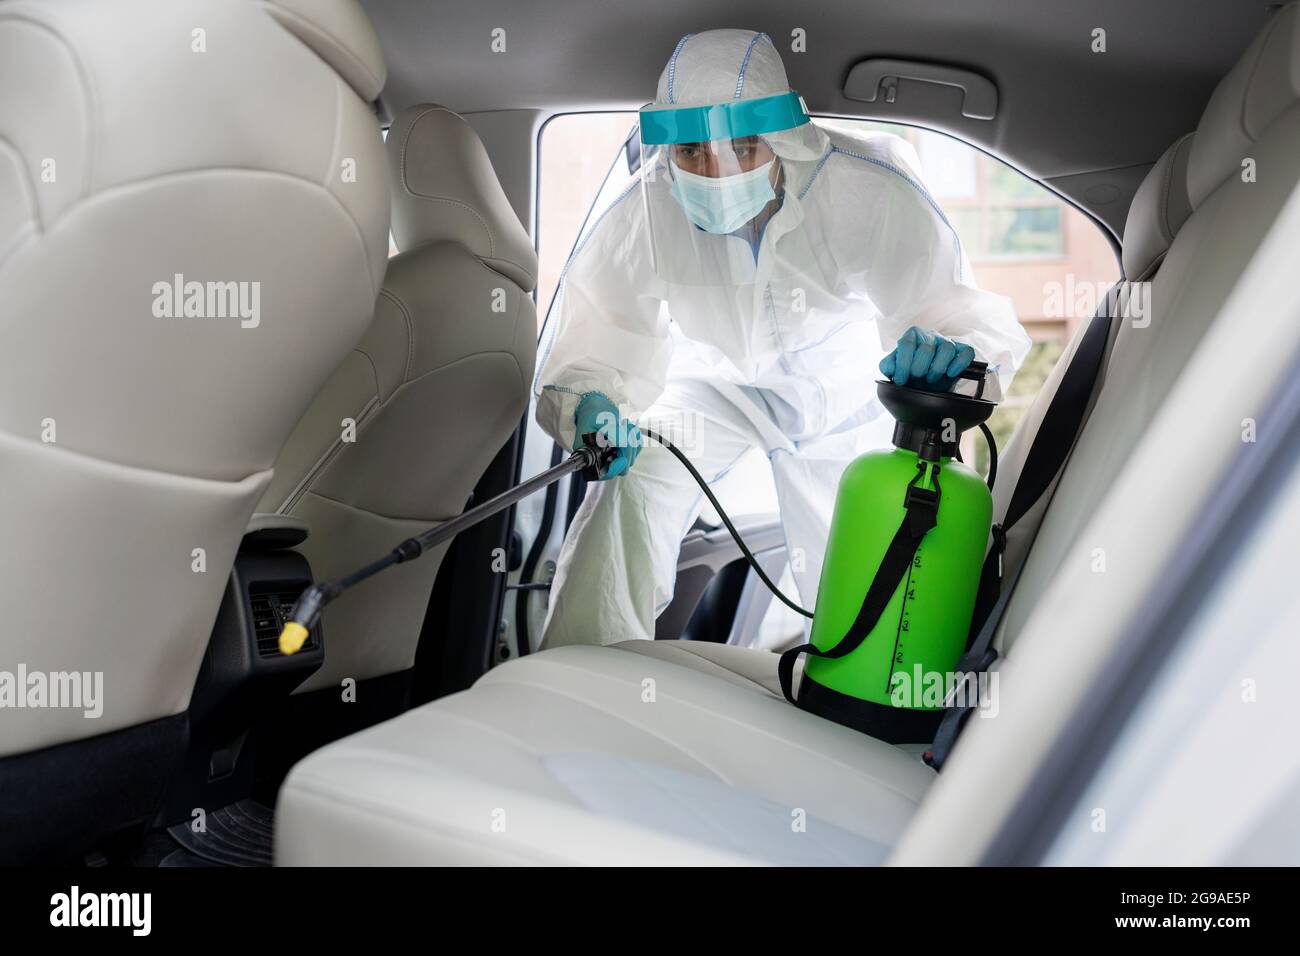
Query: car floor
239	835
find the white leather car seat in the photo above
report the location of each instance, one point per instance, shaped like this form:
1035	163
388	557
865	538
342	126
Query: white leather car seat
146	145
1165	428
601	754
439	383
1251	116
1159	208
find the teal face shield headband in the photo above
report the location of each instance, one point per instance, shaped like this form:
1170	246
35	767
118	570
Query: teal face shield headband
673	125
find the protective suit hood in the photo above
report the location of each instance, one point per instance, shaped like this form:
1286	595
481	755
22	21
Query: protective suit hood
721	65
857	252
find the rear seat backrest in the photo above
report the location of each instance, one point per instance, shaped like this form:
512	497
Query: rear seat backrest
1159	208
1161	434
437	385
1254	115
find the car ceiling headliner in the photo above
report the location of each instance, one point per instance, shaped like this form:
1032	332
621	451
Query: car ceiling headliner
1063	109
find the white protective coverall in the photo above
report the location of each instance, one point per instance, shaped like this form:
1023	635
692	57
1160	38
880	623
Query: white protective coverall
783	358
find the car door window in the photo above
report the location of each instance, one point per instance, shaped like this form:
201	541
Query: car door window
1024	242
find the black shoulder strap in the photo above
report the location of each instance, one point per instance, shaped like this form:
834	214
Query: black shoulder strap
921	513
1052	443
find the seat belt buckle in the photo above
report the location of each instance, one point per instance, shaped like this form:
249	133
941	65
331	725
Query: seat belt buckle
999	545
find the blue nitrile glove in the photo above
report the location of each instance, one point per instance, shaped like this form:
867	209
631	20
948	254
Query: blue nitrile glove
596	413
926	360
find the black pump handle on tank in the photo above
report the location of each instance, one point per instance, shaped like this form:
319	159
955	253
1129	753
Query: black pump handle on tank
929	422
976	372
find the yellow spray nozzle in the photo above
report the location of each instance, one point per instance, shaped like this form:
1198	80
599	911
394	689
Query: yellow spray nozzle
292	638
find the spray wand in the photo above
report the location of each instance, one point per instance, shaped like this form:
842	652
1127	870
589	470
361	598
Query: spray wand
590	458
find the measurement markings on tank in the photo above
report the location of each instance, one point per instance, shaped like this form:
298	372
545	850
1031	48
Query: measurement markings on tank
904	621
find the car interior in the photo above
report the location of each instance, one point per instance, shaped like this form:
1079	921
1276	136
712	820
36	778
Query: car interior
176	480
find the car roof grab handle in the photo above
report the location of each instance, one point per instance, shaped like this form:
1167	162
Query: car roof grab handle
874	79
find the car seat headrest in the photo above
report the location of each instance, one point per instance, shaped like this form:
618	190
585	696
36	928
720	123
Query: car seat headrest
444	188
1159	209
341	34
1262	85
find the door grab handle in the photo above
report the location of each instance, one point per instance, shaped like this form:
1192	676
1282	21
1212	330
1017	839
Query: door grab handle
866	79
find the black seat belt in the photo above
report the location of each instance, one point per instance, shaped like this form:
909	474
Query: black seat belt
1051	445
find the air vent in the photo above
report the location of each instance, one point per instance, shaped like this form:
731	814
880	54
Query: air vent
271	605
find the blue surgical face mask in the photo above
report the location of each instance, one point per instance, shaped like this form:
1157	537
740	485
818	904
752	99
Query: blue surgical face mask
723	204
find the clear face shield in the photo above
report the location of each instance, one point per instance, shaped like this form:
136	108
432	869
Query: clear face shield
711	181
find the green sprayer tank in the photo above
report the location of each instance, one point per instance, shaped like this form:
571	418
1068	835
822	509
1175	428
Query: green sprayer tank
902	569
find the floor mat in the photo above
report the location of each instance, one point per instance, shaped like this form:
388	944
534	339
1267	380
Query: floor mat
184	858
237	835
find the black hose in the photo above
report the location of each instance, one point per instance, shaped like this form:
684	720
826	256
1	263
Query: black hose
993	454
740	542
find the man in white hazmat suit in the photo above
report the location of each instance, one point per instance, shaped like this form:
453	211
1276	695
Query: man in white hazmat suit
746	290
